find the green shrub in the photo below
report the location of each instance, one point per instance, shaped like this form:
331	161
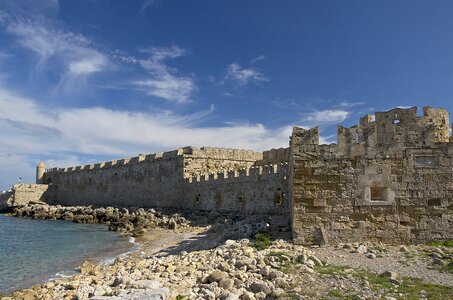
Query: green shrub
262	241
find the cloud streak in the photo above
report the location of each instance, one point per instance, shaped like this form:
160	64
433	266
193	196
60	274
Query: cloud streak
163	81
30	129
148	4
73	53
244	76
323	117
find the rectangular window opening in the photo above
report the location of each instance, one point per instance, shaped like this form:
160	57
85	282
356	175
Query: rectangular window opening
426	161
378	193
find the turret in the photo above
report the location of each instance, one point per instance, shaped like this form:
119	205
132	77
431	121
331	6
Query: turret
40	169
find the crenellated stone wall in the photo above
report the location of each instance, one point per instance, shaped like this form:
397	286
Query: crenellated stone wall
206	160
188	178
152	180
388	179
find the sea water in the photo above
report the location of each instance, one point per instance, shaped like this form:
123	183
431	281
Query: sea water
34	251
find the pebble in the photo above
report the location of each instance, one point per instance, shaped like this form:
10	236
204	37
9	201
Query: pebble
371	255
362	249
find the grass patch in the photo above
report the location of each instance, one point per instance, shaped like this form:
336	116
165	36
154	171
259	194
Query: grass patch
409	258
276	253
409	288
289	296
414	288
262	241
448	268
289	268
376	281
338	294
447	243
180	297
331	270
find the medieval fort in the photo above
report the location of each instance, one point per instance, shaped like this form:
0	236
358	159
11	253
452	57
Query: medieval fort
389	178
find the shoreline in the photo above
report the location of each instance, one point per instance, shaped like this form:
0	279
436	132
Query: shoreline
203	262
115	245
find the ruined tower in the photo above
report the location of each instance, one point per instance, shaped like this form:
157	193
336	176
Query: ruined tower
40	170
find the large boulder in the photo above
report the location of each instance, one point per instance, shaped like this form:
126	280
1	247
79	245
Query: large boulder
6	201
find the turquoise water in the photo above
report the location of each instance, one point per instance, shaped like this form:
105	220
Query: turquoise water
33	251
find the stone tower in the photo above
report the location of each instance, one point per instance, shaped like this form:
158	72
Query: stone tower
40	169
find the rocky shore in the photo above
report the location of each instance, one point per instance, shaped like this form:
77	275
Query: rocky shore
225	257
138	221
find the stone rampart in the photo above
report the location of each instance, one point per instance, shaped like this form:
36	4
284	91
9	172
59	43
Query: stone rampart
390	179
256	190
208	160
152	180
188	178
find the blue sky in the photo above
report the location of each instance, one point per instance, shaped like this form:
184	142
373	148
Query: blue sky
83	81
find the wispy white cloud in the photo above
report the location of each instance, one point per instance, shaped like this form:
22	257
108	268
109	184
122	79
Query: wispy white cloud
244	76
164	81
148	4
103	131
348	104
74	54
30	8
87	65
258	58
323	117
77	58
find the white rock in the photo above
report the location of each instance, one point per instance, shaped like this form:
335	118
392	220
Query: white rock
83	291
362	249
404	249
316	260
310	263
145	284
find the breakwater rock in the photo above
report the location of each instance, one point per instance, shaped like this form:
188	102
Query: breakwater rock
6	199
133	221
138	221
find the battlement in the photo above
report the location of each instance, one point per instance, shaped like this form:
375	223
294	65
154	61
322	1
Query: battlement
274	156
389	131
222	153
141	158
254	171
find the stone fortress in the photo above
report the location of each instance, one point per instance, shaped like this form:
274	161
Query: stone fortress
389	179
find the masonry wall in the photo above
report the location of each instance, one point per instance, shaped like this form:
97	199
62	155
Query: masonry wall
25	193
388	179
189	178
206	160
257	190
143	181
